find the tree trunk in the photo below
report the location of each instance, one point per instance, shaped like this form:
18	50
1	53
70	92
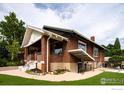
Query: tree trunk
12	56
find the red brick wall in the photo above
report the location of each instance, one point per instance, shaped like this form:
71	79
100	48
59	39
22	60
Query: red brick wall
25	53
56	58
90	49
43	51
71	44
100	58
102	55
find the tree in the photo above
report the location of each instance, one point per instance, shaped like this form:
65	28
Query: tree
110	46
115	52
117	44
108	49
12	28
13	49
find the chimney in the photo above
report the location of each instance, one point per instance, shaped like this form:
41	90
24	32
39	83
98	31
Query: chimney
92	38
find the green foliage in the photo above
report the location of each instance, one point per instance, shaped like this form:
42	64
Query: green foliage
3	62
109	48
60	71
13	48
117	44
12	28
34	71
117	58
11	63
28	71
115	52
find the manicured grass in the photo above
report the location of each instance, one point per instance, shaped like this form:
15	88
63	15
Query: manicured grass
118	79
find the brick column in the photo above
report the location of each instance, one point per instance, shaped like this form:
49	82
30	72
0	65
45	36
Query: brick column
43	52
25	54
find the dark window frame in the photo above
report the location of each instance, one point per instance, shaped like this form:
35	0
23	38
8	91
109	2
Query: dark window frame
57	46
80	43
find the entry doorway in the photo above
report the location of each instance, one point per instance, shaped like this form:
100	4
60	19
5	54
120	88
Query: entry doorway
80	67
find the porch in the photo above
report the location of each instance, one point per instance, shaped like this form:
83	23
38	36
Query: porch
86	63
36	44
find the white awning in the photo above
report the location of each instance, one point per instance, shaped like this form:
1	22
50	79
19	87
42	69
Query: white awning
80	53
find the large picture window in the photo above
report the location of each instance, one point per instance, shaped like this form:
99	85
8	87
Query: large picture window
57	48
95	52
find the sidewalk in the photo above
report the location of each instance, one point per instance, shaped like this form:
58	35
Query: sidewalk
68	76
112	70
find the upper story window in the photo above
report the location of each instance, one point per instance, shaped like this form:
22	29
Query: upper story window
95	52
82	45
57	48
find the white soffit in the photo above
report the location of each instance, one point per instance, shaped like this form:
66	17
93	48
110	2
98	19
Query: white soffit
35	36
55	36
32	35
80	53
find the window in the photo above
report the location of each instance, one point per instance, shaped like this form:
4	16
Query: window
82	45
95	52
57	48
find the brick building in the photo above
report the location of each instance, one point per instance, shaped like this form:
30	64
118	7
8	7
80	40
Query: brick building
55	48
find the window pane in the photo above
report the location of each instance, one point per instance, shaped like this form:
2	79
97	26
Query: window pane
82	46
95	52
57	48
58	51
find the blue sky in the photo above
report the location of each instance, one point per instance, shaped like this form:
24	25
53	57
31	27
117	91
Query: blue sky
104	21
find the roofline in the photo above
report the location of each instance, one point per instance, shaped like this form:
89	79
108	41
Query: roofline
57	28
43	31
75	32
87	39
30	27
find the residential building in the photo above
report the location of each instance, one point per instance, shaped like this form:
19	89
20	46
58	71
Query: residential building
55	48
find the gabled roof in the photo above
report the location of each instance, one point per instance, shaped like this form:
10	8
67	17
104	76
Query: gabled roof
71	31
33	34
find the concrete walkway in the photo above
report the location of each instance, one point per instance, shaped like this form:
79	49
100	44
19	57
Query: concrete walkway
68	76
112	70
8	68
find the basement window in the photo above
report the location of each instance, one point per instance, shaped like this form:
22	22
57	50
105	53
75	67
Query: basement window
57	48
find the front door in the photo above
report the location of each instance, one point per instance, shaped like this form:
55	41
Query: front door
80	67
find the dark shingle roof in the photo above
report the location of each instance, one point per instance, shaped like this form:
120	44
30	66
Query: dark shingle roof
71	31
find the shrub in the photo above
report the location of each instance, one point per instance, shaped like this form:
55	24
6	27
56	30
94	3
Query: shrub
60	71
28	71
33	71
11	64
3	62
116	60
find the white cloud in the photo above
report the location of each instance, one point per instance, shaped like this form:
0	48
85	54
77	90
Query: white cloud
104	21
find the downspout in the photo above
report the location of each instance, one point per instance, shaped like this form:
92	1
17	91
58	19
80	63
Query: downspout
47	61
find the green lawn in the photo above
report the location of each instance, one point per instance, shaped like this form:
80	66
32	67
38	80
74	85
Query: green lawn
112	78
